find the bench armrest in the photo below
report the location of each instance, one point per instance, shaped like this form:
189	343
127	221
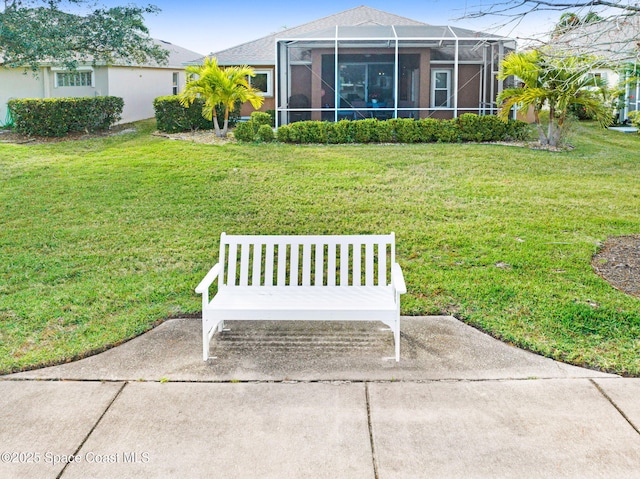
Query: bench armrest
208	280
397	279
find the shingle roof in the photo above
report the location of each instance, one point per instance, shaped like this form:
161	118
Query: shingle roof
616	40
262	50
178	56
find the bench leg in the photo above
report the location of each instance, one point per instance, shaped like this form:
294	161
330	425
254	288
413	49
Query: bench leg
209	328
205	341
396	340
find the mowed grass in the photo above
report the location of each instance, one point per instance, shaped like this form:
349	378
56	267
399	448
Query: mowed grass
101	239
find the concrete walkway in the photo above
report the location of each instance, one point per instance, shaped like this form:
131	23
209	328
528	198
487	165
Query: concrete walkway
318	400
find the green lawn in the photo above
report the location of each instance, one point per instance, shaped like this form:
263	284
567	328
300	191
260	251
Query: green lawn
102	238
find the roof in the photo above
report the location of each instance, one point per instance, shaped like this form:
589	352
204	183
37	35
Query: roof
616	40
262	50
178	56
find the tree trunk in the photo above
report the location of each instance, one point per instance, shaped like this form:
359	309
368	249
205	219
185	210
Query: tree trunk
225	128
216	126
551	135
542	138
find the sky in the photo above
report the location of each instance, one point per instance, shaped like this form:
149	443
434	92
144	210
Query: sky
211	26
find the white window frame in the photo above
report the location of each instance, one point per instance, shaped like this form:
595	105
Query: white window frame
269	73
55	72
434	72
175	83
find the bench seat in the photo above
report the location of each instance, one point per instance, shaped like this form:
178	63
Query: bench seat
348	303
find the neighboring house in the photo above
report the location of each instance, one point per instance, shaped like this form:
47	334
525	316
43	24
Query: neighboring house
615	44
138	85
387	66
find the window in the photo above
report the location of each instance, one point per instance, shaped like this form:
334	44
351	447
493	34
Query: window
440	88
262	82
366	82
78	78
175	83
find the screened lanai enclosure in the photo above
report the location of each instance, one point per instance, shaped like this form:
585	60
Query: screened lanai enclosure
375	71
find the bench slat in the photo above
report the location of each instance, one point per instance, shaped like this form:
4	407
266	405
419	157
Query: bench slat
319	273
369	269
357	265
293	266
282	264
382	264
257	265
331	265
244	265
268	265
306	264
313	239
344	264
233	257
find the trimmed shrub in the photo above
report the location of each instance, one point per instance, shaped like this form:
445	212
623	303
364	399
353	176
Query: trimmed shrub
265	133
481	128
342	132
58	116
467	127
261	118
172	117
244	132
518	130
405	130
253	130
427	130
282	134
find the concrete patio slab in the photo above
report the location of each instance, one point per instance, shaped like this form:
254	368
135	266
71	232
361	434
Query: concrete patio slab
41	422
626	397
506	429
435	347
157	430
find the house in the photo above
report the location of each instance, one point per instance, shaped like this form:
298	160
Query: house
614	44
364	63
138	85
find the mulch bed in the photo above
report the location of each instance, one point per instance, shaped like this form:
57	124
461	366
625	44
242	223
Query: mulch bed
618	262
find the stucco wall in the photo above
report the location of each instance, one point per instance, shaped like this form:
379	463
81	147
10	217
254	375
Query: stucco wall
16	83
139	87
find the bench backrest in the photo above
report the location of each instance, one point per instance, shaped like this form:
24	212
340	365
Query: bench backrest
313	260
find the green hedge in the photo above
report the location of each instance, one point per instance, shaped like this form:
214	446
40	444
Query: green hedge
467	127
58	116
258	128
172	117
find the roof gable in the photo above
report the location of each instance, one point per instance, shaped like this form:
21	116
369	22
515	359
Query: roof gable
262	50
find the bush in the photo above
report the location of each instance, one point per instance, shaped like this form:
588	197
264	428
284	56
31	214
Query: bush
265	133
518	131
467	127
262	118
634	118
256	128
481	128
58	116
282	134
172	117
244	132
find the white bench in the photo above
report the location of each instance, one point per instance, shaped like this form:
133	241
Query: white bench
309	278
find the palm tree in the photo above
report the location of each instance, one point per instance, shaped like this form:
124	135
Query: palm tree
552	82
219	86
